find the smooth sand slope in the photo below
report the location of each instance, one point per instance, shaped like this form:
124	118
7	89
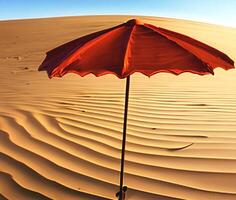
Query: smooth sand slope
61	138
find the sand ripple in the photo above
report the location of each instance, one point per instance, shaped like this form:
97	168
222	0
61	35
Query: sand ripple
61	139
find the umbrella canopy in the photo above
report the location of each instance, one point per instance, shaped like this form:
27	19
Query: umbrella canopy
133	47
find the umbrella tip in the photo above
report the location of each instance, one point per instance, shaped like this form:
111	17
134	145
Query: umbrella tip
134	22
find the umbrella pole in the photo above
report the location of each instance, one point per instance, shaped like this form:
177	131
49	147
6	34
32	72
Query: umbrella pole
124	137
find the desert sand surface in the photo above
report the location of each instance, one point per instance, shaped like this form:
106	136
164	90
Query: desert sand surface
61	138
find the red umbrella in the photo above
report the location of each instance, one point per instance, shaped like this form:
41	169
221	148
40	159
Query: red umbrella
133	47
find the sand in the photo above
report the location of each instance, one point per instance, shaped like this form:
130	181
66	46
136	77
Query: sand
61	138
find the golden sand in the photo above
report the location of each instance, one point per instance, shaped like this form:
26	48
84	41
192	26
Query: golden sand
61	138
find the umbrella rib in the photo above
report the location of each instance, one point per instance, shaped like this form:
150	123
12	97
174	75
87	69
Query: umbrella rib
100	37
127	53
202	46
69	51
206	65
70	58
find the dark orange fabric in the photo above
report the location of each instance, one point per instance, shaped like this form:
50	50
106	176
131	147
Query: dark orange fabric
134	47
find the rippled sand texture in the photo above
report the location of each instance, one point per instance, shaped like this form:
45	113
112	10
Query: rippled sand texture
61	138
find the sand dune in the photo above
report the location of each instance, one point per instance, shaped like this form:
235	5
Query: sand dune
61	138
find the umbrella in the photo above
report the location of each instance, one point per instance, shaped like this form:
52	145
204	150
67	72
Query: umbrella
132	47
